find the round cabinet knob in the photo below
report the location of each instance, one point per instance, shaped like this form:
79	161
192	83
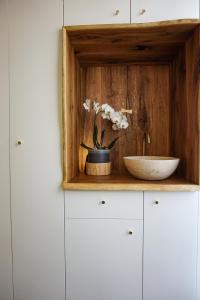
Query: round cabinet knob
19	142
130	232
116	13
103	202
156	202
142	11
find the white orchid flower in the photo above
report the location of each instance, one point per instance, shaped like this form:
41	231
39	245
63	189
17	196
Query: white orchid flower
96	107
116	117
105	116
86	104
107	108
124	124
115	127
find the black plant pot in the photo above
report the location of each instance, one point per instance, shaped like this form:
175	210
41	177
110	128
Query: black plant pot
98	156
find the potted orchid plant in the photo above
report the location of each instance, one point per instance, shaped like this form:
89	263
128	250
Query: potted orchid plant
100	152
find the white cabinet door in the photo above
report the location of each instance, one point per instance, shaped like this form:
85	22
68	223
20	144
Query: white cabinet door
198	259
103	261
37	201
170	245
5	226
79	12
154	10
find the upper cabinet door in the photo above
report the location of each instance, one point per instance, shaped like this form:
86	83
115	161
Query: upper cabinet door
79	12
154	10
6	291
170	245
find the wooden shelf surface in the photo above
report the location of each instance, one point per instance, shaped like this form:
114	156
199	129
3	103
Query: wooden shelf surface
127	183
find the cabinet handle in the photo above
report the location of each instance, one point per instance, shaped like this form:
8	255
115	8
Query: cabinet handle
103	202
116	13
19	143
156	202
142	11
130	232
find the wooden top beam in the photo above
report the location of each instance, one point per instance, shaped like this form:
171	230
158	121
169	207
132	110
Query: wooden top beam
181	23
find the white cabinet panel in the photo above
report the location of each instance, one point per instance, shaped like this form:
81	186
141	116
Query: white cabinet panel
103	261
37	200
79	12
198	259
90	204
5	228
170	245
154	10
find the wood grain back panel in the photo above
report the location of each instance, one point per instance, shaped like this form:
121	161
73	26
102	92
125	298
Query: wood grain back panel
136	87
150	100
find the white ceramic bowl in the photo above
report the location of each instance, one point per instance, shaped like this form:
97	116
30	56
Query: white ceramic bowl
151	167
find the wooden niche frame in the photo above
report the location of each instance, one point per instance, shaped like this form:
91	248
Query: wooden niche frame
153	69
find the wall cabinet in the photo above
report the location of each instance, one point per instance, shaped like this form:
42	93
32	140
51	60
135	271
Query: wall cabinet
110	256
170	245
153	10
104	236
80	12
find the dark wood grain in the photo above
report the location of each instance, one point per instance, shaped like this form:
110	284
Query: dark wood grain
150	100
185	103
70	147
133	42
141	89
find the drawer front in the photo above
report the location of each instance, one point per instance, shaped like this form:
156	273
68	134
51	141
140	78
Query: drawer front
89	204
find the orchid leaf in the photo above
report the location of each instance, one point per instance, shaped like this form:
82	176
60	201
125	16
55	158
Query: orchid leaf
95	137
102	137
112	143
85	146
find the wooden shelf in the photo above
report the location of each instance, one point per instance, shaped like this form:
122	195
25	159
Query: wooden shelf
151	68
127	183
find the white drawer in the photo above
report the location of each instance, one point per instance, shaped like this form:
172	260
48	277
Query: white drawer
93	204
